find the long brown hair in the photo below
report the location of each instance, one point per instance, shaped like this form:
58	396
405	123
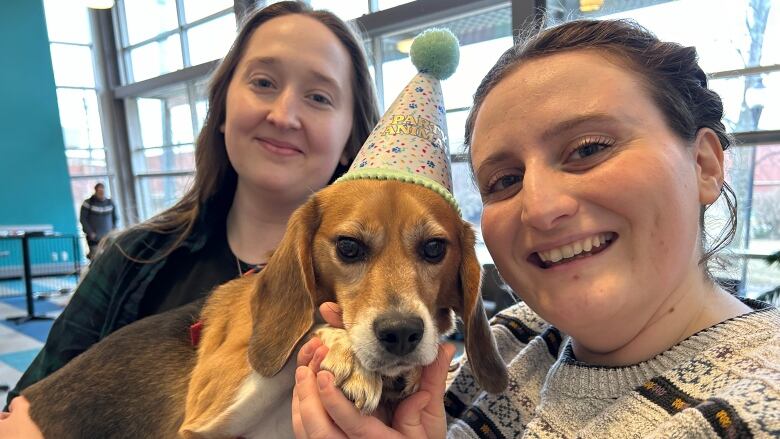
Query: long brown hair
215	178
671	73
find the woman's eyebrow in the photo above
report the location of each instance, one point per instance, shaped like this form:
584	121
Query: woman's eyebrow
578	121
261	61
270	61
492	159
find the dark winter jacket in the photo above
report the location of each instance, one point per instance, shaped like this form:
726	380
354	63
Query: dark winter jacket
97	217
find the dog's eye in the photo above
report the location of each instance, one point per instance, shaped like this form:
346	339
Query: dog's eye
433	250
350	250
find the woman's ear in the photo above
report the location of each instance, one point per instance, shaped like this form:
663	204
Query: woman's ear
709	165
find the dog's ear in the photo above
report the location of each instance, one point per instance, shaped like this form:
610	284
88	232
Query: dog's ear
283	305
486	363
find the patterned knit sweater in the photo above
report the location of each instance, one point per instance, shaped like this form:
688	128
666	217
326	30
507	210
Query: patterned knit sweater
721	382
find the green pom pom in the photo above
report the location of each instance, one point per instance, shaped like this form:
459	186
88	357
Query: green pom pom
435	51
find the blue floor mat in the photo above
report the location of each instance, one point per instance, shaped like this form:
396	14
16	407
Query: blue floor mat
19	360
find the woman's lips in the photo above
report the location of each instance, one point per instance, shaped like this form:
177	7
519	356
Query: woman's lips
546	263
278	147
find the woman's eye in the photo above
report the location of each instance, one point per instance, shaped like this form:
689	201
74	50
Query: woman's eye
262	83
321	99
503	183
589	148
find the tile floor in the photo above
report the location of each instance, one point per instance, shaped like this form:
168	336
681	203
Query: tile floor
20	343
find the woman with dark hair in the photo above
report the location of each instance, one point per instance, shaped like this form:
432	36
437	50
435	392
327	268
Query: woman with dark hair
289	107
596	149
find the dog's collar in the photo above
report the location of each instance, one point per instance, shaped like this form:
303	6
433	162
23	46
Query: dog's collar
197	327
195	330
254	269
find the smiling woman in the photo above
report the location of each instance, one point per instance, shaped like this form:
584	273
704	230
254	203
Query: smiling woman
596	148
289	106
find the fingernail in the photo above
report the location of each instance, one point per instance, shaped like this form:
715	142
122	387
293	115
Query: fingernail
324	379
300	374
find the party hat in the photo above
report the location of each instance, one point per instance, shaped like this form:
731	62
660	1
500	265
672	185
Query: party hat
410	141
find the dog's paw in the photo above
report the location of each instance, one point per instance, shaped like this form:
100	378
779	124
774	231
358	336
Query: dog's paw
361	386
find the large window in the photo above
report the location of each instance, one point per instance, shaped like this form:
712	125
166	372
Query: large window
163	126
72	57
163	36
159	37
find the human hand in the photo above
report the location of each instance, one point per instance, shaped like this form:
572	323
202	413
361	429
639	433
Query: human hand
321	411
17	424
331	312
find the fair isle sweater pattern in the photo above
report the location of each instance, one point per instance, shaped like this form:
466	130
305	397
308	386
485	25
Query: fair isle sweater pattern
723	382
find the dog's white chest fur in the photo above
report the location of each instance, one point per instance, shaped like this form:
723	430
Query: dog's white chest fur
262	408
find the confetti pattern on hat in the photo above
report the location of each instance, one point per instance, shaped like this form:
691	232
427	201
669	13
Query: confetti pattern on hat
410	141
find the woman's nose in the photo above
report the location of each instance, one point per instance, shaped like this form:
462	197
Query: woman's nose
547	199
284	112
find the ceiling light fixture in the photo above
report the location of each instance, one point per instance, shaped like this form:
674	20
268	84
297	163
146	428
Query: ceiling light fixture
590	5
405	45
99	4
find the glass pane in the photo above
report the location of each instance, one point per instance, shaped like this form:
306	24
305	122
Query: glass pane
483	37
197	9
344	10
150	119
754	174
201	104
765	202
728	34
211	40
466	193
456	126
72	65
86	161
165	159
181	124
67	22
148	18
80	118
750	103
159	193
201	108
83	187
387	4
157	58
759	277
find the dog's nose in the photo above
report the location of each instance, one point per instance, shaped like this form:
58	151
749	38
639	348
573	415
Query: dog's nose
399	335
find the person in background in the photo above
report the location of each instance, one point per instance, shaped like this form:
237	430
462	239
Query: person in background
97	218
596	149
289	107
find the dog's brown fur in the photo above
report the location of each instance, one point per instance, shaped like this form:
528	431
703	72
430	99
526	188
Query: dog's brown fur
254	325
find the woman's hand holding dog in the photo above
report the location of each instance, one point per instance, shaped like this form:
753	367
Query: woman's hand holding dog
320	410
17	424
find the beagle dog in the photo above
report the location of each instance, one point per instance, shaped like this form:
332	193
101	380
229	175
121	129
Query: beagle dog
396	257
